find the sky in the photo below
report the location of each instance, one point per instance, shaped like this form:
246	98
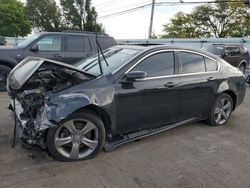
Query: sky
135	25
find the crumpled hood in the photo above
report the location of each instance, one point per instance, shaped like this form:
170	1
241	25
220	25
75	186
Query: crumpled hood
26	68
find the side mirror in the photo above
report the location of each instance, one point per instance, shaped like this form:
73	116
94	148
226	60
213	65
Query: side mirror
34	48
134	75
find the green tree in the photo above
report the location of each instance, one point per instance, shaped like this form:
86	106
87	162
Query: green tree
44	14
182	26
80	15
13	20
222	19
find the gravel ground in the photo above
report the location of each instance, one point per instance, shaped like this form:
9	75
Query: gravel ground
193	155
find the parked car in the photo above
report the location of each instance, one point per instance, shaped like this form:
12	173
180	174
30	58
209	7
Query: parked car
75	111
236	55
2	41
248	79
67	47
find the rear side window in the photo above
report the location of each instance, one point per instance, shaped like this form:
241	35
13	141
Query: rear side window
232	51
192	63
160	64
211	65
74	44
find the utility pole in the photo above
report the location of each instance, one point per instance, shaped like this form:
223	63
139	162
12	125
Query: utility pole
151	19
82	15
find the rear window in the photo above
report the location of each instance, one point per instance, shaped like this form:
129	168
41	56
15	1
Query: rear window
106	42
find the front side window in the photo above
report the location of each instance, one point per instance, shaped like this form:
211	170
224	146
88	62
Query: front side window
192	63
50	43
160	64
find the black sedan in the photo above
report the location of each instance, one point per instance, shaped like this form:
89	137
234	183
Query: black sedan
127	93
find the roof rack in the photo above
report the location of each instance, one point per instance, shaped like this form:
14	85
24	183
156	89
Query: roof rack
228	44
84	32
143	44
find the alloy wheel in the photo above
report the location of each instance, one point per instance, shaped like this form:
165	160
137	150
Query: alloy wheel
222	111
76	139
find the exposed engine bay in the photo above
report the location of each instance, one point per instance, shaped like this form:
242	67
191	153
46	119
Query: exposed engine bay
29	101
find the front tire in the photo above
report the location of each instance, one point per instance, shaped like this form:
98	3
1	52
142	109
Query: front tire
81	136
221	110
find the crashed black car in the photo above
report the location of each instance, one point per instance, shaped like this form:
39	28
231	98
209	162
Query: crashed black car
134	92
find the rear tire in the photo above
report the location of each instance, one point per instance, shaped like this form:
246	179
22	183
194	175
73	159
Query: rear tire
221	110
81	136
4	72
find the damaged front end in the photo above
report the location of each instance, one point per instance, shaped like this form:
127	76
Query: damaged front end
30	86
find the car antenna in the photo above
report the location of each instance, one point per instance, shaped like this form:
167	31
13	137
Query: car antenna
99	49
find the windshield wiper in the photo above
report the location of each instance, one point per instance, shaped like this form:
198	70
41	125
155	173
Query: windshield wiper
98	45
88	64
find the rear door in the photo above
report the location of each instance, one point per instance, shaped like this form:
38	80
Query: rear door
199	81
49	46
77	47
149	102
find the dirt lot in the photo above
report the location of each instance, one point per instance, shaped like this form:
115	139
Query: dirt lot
193	155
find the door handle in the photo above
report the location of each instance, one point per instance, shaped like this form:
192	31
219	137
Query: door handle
211	79
171	84
57	55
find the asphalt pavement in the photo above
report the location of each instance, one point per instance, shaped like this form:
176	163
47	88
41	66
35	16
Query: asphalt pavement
190	156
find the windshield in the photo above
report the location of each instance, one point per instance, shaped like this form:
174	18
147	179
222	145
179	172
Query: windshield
28	40
116	57
217	50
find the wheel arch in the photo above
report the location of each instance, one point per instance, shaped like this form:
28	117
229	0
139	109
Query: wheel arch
73	103
243	62
100	112
7	63
233	96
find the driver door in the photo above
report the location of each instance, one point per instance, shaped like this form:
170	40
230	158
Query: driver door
149	102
